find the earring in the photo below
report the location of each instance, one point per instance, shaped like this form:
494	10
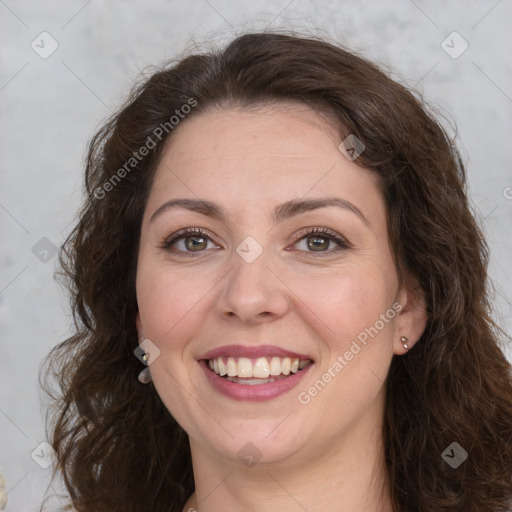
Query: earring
403	339
144	376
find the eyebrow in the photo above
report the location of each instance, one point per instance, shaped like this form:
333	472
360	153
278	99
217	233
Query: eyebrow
284	211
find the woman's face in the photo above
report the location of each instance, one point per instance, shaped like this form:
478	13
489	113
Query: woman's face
271	277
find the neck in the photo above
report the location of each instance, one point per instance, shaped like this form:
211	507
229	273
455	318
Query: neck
349	474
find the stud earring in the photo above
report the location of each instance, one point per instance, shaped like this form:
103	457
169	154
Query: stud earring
145	376
403	339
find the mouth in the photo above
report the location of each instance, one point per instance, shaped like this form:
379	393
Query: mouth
256	371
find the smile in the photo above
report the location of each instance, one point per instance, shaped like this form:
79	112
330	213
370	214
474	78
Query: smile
251	372
255	389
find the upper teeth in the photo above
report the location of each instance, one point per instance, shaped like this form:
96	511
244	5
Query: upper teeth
261	368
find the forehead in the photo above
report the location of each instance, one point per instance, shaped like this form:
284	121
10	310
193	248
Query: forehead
259	156
290	131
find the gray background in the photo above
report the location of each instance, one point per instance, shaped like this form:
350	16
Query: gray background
51	107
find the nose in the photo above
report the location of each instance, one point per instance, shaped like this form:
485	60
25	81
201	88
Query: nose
253	292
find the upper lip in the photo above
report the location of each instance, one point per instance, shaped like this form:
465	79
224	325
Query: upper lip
252	352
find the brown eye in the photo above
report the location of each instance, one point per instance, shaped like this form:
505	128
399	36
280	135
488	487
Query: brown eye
316	243
194	243
187	242
318	240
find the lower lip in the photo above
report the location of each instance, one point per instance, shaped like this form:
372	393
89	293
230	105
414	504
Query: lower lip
257	392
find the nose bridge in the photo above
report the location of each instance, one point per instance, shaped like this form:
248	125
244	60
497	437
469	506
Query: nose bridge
250	263
251	287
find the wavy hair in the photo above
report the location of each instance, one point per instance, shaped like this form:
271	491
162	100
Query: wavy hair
119	448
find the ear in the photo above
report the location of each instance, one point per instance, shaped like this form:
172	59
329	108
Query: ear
138	324
412	318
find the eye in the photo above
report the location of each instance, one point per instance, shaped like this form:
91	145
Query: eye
188	242
318	240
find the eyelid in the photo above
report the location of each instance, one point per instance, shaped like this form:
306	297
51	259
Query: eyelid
323	231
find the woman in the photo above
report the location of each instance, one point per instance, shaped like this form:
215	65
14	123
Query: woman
281	234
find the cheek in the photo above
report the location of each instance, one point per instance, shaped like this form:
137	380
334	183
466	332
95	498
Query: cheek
356	349
348	300
167	300
168	307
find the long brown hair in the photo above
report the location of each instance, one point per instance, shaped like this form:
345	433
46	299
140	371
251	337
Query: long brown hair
118	447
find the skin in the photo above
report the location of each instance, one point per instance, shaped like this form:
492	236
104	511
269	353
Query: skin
323	455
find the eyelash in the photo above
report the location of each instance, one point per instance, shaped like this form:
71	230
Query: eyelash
305	233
